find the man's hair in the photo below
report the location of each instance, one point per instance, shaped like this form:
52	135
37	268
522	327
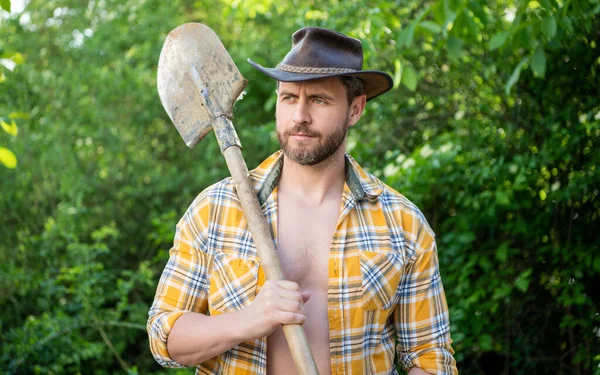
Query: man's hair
354	87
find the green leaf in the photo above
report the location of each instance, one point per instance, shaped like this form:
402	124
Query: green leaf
454	47
406	36
397	73
485	264
597	263
22	115
567	24
502	252
486	343
514	77
522	282
530	37
270	103
5	4
498	40
409	78
431	27
502	198
466	238
18	58
549	27
471	24
449	13
8	158
538	62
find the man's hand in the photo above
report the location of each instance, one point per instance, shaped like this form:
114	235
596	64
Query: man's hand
278	302
197	337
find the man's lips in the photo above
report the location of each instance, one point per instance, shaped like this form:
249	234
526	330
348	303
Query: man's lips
302	135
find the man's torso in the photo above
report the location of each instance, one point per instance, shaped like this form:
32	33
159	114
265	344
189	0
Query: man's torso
304	236
377	234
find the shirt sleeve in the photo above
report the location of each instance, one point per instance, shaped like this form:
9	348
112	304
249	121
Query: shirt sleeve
183	286
421	316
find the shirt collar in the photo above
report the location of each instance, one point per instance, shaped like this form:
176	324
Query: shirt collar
361	183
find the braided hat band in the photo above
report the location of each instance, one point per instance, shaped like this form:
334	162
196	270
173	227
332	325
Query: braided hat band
320	53
311	70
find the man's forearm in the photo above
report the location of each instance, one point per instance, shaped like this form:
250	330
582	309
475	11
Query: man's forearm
417	371
196	338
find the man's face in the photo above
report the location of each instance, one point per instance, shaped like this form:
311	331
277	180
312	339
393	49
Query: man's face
313	119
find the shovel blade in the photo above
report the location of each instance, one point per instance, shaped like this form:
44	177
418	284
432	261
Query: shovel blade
197	80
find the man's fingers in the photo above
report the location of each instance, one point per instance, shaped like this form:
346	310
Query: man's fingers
291	306
290	285
290	294
286	317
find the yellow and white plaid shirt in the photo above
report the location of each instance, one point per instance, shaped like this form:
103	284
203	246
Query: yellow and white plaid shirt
385	292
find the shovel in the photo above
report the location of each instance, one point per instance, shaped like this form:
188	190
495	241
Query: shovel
198	84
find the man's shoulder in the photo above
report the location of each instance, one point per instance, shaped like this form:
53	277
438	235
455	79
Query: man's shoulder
391	201
221	193
396	200
405	213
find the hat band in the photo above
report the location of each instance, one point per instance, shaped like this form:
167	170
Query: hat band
311	70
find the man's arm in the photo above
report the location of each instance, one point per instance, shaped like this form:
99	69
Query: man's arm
417	371
196	337
179	330
183	286
421	317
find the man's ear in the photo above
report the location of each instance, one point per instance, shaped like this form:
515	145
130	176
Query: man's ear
356	109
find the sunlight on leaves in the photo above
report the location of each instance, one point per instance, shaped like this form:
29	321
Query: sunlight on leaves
10	128
8	158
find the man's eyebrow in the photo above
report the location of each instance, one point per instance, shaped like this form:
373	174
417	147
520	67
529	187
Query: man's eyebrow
287	93
321	95
316	95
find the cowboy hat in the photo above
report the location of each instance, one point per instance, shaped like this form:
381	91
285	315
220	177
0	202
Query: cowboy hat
320	53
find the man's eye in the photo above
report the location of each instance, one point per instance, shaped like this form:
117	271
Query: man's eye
319	101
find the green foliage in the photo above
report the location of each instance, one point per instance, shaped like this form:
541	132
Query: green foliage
491	129
5	4
8	61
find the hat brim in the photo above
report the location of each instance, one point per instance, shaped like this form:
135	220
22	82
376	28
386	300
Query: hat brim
375	81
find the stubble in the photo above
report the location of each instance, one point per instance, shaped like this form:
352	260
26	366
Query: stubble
305	154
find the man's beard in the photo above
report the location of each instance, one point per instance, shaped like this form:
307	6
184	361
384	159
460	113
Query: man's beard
304	155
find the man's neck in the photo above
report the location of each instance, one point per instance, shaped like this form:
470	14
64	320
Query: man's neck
314	184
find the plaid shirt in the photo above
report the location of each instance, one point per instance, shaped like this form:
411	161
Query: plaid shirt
385	295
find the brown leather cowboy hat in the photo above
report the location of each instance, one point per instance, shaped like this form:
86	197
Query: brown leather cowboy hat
319	53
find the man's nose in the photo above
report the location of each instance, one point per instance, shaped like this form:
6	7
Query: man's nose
302	112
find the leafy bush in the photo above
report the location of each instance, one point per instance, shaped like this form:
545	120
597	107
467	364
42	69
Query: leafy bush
492	130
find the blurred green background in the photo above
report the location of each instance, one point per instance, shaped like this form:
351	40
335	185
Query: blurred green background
492	129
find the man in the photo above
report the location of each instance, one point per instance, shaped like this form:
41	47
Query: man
359	258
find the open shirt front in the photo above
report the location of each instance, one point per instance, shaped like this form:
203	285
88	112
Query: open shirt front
384	281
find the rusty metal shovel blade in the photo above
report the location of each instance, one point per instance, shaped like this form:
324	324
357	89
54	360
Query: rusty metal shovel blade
197	80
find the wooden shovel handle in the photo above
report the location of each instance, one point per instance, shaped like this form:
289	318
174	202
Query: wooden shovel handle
259	228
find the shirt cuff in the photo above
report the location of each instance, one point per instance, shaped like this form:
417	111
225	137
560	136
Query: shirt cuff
159	327
436	361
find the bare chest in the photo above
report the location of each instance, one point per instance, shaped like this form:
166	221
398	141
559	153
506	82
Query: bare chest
304	240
